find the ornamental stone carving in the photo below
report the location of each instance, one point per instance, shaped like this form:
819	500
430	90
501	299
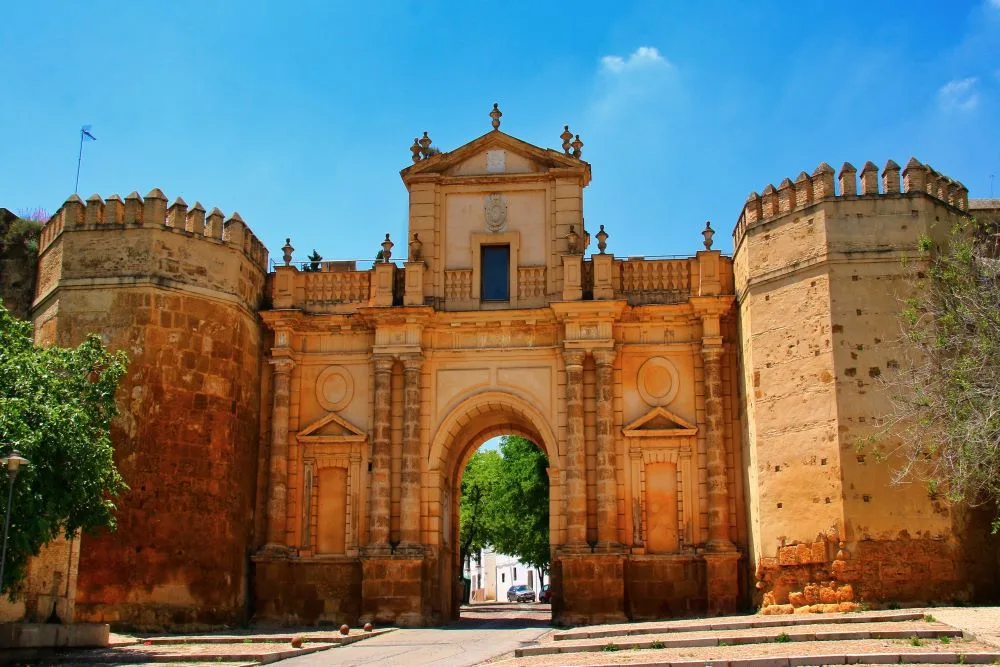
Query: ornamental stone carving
334	388
658	381
495	212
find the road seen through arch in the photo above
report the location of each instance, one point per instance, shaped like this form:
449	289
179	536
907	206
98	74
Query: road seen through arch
483	631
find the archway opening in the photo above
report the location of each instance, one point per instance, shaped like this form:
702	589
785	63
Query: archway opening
504	531
471	423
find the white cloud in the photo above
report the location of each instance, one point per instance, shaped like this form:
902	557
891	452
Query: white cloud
626	85
995	4
642	58
960	94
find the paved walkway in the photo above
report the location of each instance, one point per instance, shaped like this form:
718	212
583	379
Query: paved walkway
485	631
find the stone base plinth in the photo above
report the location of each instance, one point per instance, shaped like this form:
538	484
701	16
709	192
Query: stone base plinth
589	588
53	635
392	591
307	592
665	586
723	581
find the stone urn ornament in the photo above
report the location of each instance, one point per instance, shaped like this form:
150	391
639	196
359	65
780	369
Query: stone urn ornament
602	240
573	241
708	233
416	248
286	252
387	248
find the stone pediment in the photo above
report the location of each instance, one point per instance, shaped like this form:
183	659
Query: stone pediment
493	154
331	428
660	423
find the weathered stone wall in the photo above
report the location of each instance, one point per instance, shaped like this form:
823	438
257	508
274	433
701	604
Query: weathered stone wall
17	267
311	593
49	586
182	305
819	280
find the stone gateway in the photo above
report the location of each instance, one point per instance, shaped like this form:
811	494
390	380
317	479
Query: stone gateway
294	439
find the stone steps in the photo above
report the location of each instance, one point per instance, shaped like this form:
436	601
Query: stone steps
755	635
902	658
734	623
898	637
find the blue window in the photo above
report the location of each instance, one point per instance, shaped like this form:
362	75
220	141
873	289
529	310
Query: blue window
495	285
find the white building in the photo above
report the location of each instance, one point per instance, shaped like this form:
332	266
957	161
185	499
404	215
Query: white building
492	574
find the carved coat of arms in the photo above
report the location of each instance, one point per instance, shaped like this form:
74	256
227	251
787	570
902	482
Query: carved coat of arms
496	212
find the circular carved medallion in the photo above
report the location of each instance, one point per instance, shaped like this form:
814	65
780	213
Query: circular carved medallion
334	388
657	381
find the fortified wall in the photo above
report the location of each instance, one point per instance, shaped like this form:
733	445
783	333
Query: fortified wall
821	271
300	462
178	290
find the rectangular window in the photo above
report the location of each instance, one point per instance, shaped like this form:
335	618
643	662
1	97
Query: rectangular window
495	285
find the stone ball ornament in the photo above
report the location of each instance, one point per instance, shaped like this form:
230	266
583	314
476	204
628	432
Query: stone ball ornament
334	388
658	381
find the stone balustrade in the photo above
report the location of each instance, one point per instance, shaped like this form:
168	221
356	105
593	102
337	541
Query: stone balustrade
642	281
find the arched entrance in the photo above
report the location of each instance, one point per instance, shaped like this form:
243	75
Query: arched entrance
468	425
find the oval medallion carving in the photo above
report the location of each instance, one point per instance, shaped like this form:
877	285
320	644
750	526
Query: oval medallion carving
334	388
658	381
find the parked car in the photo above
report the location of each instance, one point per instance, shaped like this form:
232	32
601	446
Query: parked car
546	594
520	593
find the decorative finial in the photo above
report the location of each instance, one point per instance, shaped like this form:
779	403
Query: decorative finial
387	246
577	146
495	115
572	241
708	233
566	137
286	252
415	149
416	247
602	240
425	145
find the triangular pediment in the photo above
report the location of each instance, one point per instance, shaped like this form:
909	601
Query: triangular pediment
660	423
471	159
331	428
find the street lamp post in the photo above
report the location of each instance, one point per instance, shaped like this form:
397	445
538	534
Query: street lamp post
13	463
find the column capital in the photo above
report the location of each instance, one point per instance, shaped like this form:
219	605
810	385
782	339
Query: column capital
574	357
605	356
711	347
282	365
383	362
412	362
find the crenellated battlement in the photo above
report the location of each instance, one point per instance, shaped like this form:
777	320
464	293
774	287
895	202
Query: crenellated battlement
152	212
822	185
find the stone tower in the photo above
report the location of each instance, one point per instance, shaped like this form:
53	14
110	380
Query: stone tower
820	271
178	291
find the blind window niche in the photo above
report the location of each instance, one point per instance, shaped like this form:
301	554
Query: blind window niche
495	285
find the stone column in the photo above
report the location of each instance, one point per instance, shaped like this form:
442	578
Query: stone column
409	506
607	482
277	500
718	493
381	499
576	455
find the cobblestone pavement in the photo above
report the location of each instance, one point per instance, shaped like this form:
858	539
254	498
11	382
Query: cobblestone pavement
485	631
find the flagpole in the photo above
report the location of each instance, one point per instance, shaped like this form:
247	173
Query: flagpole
79	159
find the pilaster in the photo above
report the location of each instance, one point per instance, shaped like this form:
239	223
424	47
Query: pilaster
607	484
410	470
576	458
381	455
277	500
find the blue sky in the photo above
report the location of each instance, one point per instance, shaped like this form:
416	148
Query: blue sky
300	115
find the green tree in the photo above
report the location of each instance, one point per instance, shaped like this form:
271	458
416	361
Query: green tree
56	407
522	519
944	427
505	503
480	482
